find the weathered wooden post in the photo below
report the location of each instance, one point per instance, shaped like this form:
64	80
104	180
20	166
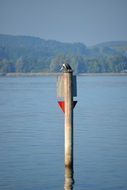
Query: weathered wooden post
68	99
66	88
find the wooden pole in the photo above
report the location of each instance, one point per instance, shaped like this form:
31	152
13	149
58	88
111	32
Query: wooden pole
68	98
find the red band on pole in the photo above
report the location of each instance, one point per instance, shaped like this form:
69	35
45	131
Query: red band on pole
61	104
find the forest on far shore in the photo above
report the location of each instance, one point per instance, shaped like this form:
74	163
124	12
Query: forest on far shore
25	54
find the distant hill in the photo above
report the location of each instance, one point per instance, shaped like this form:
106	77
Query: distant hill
112	44
31	54
118	46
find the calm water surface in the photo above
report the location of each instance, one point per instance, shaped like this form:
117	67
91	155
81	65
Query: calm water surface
32	134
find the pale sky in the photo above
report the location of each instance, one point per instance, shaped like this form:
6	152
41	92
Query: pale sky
86	21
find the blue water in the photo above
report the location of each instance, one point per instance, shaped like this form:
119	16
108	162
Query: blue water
32	134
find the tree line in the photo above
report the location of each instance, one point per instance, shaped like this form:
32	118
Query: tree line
29	54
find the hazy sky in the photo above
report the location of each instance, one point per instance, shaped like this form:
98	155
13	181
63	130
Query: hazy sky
87	21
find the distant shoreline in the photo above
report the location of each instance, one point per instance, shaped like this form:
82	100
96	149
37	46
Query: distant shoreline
103	74
27	74
57	74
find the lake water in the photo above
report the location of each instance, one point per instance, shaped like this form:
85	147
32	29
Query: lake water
32	134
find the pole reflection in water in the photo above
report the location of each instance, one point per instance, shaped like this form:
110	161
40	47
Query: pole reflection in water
69	180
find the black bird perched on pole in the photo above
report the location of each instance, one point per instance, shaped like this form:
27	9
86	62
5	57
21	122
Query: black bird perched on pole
66	67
